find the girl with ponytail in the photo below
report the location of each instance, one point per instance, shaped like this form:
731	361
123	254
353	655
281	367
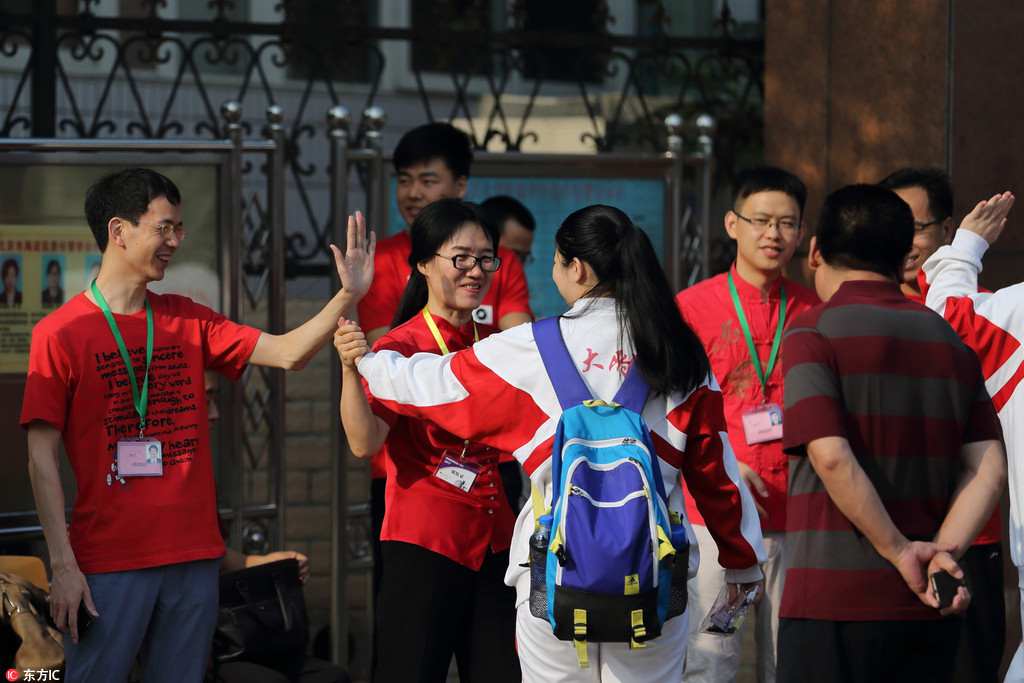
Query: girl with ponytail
447	524
498	393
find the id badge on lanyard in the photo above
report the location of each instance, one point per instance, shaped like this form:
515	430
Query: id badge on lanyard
456	471
763	423
138	457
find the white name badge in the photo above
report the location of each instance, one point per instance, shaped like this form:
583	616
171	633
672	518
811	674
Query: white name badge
484	314
140	458
459	474
763	423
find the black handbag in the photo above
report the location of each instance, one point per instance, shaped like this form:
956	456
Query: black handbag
262	618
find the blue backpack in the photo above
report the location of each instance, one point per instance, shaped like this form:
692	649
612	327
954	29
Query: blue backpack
608	561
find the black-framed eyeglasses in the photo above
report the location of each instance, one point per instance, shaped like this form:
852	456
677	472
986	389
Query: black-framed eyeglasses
783	224
488	264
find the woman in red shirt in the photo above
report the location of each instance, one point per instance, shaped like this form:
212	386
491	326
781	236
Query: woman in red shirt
447	527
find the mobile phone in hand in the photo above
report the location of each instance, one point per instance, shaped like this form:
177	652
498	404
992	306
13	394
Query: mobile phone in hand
945	586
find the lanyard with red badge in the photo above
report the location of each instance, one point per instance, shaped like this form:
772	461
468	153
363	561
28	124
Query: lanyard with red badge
139	457
763	423
456	472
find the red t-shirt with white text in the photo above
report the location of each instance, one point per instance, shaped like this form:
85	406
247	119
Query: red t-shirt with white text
77	382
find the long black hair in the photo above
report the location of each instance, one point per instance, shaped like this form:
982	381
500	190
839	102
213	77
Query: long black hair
668	353
433	226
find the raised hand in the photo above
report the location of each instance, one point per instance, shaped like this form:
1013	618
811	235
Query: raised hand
355	266
988	218
350	342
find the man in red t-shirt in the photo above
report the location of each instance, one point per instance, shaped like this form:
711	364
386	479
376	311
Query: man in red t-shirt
766	224
929	193
116	377
432	162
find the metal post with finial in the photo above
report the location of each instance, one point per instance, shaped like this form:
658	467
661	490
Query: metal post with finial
338	122
705	125
675	260
374	119
231	265
275	263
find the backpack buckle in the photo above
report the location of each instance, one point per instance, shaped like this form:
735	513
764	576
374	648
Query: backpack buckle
639	630
579	635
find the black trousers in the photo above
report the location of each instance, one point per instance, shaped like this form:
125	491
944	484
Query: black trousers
866	651
376	523
984	625
431	608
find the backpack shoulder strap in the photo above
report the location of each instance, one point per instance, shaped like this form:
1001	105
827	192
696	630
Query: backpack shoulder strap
565	378
634	391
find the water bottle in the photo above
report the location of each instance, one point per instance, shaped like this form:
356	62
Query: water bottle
538	567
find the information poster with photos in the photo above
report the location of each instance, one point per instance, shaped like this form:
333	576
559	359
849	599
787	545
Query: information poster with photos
48	254
41	269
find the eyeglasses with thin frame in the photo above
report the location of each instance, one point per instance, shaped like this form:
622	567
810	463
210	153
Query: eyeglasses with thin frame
783	224
467	262
921	226
166	229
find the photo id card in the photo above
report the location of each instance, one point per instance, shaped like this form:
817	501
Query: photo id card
459	474
140	458
763	423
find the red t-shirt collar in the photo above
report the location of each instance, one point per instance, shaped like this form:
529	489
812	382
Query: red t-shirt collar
748	291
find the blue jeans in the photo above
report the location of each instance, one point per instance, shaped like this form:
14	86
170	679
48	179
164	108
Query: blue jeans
165	615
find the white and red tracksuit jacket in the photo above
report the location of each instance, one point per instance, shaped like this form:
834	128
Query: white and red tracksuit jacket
992	324
498	393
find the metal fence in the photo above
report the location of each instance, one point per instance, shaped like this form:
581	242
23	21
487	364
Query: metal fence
70	69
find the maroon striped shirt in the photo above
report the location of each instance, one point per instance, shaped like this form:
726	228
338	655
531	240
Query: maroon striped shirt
893	379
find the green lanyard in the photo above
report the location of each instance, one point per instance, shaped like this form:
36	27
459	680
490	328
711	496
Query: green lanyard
141	400
761	373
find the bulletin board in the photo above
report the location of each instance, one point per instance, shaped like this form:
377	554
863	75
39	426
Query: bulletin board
553	186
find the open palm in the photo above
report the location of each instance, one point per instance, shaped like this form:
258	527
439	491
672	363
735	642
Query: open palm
355	266
988	218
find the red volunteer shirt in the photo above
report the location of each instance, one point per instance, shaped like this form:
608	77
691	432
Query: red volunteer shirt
993	530
708	309
507	294
77	382
420	508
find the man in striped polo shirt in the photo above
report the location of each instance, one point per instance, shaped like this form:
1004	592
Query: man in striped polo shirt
896	460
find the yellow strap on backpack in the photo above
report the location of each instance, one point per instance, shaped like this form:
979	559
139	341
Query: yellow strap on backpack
537	498
579	632
665	547
639	630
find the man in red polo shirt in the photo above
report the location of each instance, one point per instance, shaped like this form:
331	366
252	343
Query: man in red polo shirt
432	162
929	193
739	317
896	460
